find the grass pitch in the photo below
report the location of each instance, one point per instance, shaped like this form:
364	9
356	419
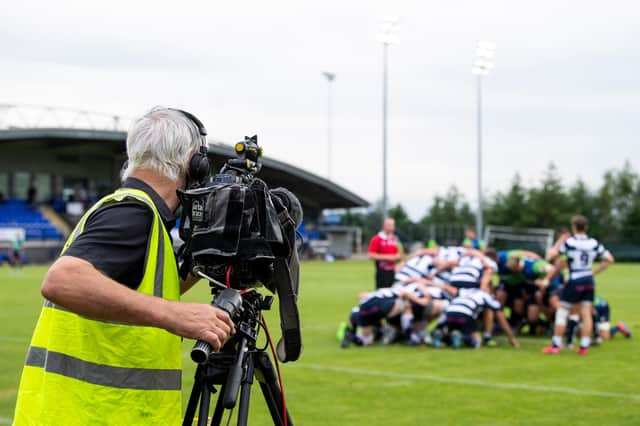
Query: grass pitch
399	385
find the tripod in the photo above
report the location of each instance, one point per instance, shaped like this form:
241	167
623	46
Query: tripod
234	369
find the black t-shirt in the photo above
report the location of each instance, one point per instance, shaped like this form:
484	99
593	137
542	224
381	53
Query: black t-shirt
116	236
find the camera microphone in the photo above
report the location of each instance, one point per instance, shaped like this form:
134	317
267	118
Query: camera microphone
230	301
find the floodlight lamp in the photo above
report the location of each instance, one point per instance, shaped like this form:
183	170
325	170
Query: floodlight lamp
487	45
329	75
485	53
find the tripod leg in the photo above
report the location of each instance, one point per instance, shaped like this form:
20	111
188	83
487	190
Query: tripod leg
217	413
245	393
193	399
266	375
205	400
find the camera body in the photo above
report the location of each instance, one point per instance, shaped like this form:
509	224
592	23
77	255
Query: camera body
240	233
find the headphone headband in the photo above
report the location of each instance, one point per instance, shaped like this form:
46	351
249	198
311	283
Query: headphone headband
201	129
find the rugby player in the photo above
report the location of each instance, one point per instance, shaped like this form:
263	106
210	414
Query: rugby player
459	324
578	253
602	329
385	303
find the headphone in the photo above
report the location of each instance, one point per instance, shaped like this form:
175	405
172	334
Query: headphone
198	169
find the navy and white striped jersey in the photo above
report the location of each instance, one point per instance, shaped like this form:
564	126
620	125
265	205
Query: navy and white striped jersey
471	302
581	251
391	292
438	294
469	270
415	267
450	253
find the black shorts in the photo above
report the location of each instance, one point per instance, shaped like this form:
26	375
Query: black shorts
579	290
374	310
384	278
514	291
549	292
530	289
602	314
461	322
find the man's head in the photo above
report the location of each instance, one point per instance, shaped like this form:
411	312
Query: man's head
514	264
389	226
470	233
579	224
163	141
491	253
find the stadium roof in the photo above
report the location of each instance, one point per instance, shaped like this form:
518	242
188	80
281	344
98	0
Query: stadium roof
315	193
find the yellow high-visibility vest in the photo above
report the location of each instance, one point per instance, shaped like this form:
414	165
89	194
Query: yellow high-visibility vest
81	371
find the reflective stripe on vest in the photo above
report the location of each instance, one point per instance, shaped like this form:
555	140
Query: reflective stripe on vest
84	371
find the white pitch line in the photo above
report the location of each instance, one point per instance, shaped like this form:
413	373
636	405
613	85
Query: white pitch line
13	339
469	382
5	421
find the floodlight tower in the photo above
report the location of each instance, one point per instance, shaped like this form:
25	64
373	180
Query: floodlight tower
330	77
386	37
485	51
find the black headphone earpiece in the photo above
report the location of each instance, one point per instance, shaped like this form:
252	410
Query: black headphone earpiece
199	167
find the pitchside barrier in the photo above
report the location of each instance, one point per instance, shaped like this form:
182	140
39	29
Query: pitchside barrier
539	240
38	251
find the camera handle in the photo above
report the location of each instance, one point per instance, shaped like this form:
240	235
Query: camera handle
228	300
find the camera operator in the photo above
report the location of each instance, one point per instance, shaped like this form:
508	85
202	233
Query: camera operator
107	347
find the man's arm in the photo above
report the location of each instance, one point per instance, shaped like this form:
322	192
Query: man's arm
412	297
554	252
78	286
504	325
443	266
446	287
607	259
485	280
552	272
529	254
388	257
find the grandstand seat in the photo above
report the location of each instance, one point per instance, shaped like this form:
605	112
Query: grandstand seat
16	213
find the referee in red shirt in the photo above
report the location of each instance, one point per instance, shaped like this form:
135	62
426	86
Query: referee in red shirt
385	250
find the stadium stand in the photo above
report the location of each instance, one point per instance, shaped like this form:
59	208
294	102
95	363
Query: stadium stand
18	214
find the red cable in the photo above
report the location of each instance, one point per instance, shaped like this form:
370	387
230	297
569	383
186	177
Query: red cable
229	276
275	359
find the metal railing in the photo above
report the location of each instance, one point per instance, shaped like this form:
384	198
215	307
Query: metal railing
21	116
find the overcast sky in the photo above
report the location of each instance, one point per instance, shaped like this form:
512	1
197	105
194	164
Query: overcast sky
565	87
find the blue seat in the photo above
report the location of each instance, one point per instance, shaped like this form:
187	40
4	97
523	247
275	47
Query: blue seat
18	214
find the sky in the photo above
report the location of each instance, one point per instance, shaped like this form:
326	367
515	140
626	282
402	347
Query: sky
565	87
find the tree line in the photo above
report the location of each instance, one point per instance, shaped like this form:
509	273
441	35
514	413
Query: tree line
613	208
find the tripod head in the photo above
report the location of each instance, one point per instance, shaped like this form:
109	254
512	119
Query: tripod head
236	363
244	310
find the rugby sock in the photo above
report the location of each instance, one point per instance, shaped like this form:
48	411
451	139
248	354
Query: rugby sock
486	336
585	341
556	341
571	327
614	330
405	321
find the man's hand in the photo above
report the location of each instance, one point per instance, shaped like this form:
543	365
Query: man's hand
199	322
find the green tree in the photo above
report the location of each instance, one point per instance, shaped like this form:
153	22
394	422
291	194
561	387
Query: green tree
548	204
510	209
404	225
